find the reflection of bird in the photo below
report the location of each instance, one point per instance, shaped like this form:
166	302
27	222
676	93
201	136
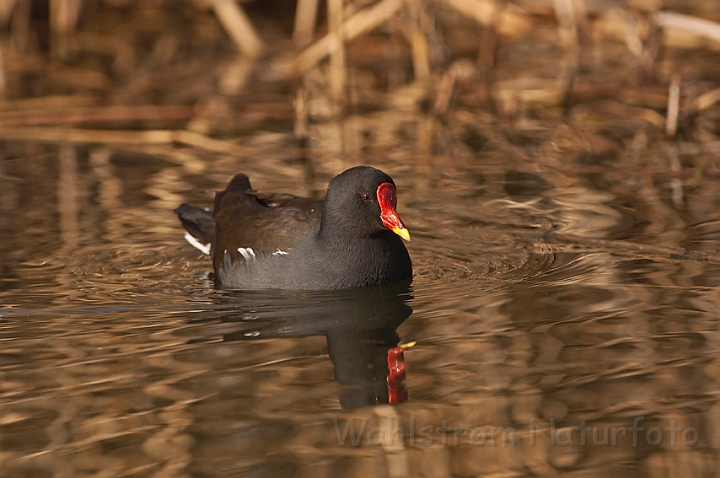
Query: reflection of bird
280	241
359	324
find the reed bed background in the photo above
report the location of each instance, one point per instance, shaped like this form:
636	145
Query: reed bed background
203	73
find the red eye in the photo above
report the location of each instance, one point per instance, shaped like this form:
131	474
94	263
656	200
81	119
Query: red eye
366	197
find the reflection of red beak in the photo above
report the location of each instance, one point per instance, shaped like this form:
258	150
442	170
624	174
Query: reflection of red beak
396	364
397	393
387	198
396	374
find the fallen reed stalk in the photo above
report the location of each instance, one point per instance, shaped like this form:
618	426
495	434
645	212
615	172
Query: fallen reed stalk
90	136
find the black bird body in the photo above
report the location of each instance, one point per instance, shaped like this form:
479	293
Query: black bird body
279	241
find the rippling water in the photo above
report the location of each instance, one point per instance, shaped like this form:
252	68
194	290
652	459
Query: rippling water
559	327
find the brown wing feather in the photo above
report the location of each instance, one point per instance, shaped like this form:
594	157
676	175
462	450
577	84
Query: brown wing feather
264	222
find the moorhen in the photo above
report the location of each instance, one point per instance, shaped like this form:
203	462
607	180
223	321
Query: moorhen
280	241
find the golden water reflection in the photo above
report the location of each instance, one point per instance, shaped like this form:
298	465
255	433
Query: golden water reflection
533	356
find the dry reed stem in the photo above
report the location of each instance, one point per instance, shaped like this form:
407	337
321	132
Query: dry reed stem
49	102
64	15
360	23
673	107
238	26
20	26
447	85
632	36
305	18
567	13
236	76
301	129
3	81
6	9
706	100
567	23
462	70
689	24
419	42
506	19
483	12
488	44
69	115
337	71
75	135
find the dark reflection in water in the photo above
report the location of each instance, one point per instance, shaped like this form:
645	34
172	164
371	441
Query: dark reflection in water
360	326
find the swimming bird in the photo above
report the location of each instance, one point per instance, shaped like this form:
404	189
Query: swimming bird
350	239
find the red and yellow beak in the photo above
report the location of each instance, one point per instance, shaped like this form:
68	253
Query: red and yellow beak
387	198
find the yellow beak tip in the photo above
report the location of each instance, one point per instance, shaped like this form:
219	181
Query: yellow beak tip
404	233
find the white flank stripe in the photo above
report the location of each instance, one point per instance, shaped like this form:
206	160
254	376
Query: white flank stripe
279	253
204	248
247	253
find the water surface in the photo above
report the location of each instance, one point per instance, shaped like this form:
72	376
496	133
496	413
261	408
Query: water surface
558	325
